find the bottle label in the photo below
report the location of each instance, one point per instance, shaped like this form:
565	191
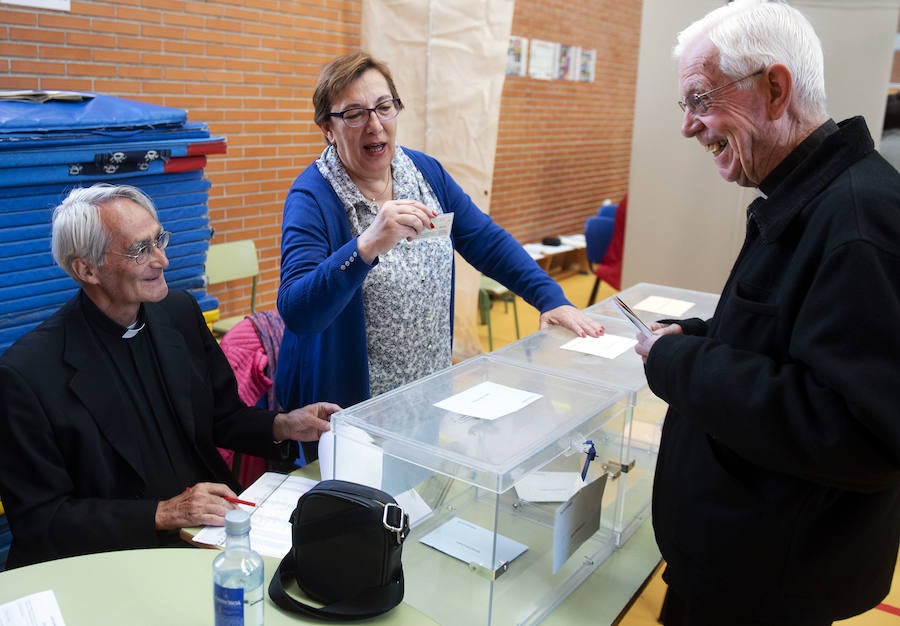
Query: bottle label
229	605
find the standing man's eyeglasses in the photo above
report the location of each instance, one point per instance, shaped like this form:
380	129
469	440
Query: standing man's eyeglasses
698	103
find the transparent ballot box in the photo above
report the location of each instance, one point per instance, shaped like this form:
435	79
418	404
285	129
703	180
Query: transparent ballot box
655	302
486	457
630	453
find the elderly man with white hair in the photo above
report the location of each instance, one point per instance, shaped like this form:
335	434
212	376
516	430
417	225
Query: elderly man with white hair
777	493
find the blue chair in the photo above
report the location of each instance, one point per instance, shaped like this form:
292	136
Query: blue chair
598	232
608	210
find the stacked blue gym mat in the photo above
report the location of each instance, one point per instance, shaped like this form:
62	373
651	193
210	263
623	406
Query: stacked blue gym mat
51	142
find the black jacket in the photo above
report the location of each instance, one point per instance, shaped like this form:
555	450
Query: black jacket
68	479
777	490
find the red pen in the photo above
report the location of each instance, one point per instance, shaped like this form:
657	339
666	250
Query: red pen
230	499
239	501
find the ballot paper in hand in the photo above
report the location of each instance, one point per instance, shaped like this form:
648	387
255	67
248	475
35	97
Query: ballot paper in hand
443	224
632	317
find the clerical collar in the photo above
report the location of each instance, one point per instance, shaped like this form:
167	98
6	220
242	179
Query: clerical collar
98	320
132	330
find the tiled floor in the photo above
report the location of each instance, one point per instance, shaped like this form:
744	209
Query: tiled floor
645	609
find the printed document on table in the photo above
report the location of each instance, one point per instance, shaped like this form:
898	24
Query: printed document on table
276	498
545	250
37	609
488	401
606	346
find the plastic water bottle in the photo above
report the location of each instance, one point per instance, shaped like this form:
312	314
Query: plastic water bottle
238	577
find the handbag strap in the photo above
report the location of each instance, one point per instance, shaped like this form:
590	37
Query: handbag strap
367	603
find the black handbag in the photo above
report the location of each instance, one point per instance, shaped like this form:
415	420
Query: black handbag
346	552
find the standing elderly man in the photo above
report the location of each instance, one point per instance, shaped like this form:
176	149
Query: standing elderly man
777	492
111	410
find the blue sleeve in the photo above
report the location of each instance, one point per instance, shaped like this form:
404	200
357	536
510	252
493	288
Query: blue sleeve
321	270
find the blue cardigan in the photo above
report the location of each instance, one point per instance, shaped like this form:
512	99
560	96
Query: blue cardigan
323	353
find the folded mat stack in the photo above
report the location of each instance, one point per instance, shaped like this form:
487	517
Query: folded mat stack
52	142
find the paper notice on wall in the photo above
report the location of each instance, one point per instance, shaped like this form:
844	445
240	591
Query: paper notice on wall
543	63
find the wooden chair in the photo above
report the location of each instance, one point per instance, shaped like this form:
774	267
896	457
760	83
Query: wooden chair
489	290
233	260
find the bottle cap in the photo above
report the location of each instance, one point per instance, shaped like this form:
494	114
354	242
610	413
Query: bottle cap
237	521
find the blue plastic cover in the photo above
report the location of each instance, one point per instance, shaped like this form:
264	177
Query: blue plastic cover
43	136
41	111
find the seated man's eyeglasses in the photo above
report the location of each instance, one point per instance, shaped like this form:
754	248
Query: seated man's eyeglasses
142	253
354	117
698	103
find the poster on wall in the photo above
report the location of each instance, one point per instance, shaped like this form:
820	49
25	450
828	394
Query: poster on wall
56	5
517	56
567	68
543	60
586	61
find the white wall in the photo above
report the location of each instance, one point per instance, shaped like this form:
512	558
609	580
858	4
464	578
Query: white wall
685	224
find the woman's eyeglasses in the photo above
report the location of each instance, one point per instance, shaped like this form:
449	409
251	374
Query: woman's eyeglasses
354	117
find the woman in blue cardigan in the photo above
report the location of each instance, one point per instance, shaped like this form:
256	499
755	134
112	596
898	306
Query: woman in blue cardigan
366	280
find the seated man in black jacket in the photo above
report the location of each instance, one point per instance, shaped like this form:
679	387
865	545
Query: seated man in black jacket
112	409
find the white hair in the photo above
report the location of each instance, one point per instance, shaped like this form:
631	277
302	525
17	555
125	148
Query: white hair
78	231
753	34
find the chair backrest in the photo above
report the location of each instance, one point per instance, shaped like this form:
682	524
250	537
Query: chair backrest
598	232
608	210
231	261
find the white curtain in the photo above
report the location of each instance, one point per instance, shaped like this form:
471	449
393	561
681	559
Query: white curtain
448	59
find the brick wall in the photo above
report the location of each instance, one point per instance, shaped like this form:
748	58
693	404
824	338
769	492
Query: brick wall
563	146
895	69
245	67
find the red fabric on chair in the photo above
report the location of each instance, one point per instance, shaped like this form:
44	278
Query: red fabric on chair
610	270
248	359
